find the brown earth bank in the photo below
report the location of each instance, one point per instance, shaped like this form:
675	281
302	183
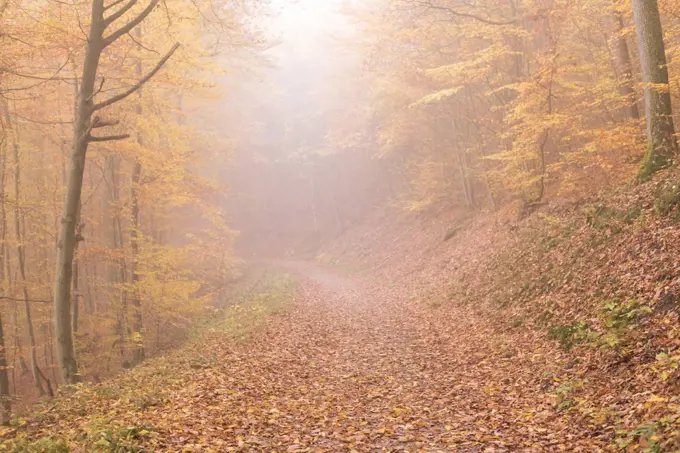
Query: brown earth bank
556	332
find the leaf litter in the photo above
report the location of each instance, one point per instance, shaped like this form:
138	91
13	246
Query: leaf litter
554	335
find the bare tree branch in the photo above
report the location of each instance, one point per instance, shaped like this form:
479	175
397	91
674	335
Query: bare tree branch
27	300
98	122
108	138
34	77
140	45
457	13
132	24
47	122
139	84
117	2
14	38
80	26
99	90
118	14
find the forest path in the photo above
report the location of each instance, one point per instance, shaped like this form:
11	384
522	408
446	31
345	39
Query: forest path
355	367
350	365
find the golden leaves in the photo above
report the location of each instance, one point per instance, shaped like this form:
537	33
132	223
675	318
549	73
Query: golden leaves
436	97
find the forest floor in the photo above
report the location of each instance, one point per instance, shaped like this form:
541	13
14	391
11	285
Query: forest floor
554	331
348	365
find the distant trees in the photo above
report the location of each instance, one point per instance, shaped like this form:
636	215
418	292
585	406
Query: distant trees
538	98
624	67
473	105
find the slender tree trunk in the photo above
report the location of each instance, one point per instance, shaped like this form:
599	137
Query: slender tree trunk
5	397
137	320
76	299
624	70
21	256
661	142
91	281
462	170
119	277
79	226
19	352
50	341
76	278
67	241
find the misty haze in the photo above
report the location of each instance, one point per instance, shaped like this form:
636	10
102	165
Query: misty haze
339	226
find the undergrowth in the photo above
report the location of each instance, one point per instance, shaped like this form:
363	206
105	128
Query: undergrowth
250	307
110	417
599	279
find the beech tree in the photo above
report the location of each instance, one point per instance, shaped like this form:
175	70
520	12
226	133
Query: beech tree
5	396
98	40
661	143
624	68
150	257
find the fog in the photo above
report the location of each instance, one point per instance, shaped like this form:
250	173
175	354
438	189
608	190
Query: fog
150	148
287	183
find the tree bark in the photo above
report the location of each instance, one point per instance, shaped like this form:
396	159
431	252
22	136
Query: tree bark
661	143
137	320
67	241
83	125
76	277
21	256
33	355
625	70
119	276
5	397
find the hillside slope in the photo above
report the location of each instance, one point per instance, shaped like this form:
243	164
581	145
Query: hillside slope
590	287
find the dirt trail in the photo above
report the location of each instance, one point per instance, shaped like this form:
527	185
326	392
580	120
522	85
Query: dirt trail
352	367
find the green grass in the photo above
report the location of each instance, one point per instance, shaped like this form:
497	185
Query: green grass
251	307
42	445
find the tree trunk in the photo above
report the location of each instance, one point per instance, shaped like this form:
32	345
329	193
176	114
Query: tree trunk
661	143
137	320
5	398
625	70
465	180
76	301
119	275
83	125
76	277
67	241
33	355
21	256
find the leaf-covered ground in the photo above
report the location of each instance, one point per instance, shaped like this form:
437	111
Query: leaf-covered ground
557	333
346	366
